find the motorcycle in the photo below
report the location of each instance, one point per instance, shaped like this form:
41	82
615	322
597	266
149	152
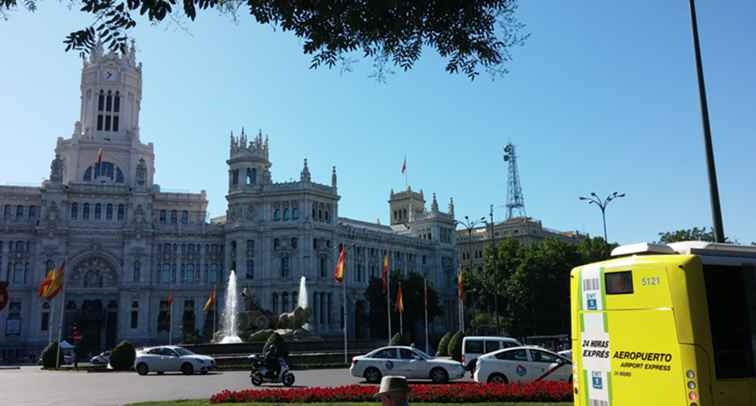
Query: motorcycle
262	374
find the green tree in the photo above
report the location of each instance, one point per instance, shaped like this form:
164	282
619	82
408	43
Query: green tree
467	34
690	234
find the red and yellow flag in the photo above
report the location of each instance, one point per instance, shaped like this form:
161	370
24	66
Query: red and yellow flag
460	286
400	299
384	275
210	302
99	156
340	265
52	284
170	298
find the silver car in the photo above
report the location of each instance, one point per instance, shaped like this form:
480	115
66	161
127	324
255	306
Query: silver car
404	361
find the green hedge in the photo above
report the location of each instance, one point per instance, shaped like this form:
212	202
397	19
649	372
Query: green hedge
455	346
123	356
442	350
48	355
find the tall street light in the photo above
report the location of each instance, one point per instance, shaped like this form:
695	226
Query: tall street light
470	226
493	260
594	199
716	211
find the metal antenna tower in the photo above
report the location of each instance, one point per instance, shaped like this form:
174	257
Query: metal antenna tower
515	200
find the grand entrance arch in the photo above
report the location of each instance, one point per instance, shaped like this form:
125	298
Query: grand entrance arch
93	304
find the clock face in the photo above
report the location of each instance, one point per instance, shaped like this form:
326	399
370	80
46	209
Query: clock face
109	75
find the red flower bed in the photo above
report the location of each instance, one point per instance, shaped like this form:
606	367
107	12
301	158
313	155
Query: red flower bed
452	393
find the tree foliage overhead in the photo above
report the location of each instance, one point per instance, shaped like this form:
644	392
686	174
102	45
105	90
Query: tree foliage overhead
468	34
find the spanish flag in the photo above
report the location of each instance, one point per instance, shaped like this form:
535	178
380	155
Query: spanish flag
170	298
53	283
99	156
210	302
384	276
460	286
341	265
400	299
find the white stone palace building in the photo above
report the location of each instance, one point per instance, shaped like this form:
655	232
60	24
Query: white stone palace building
126	243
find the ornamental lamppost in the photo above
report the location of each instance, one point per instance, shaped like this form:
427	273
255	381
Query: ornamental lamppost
594	199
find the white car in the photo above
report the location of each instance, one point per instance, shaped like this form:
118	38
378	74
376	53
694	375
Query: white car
101	359
404	361
171	358
522	364
566	354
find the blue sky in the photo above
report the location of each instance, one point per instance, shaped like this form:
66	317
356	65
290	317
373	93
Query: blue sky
601	98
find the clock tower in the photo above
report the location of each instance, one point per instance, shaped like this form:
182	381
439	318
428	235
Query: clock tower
111	94
105	146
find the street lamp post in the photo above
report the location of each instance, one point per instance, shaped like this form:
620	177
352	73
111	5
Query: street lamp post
594	199
493	259
470	226
716	211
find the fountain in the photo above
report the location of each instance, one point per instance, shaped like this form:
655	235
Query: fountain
302	302
230	312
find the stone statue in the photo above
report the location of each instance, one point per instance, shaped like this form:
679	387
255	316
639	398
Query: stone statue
294	320
56	169
141	172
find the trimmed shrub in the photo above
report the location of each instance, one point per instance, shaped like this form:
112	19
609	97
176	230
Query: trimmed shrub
399	339
277	343
122	357
455	346
48	355
443	346
260	335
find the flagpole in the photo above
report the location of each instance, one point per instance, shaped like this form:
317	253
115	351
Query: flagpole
401	312
388	297
170	317
50	324
425	291
215	315
346	357
62	307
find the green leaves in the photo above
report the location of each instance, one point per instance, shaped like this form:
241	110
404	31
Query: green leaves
470	34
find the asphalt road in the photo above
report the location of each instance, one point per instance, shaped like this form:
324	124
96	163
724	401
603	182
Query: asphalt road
35	387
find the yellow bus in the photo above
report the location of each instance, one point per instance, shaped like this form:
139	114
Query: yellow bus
665	324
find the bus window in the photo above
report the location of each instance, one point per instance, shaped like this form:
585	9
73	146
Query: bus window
618	283
732	313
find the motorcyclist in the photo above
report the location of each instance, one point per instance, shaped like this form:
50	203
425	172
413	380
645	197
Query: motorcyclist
272	362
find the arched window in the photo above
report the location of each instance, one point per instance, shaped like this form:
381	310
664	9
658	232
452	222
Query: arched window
249	176
85	211
294	242
323	266
137	271
117	102
174	217
277	215
74	211
285	267
163	214
121	212
285	302
109	212
109	102
7	211
286	214
254	176
250	269
32	212
101	100
275	303
184	217
98	211
19	212
327	216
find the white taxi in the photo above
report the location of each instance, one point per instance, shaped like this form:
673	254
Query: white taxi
522	364
404	361
171	358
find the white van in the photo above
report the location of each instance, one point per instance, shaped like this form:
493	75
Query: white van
475	346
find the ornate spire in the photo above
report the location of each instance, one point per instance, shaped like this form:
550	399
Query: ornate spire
333	177
434	204
451	206
305	175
